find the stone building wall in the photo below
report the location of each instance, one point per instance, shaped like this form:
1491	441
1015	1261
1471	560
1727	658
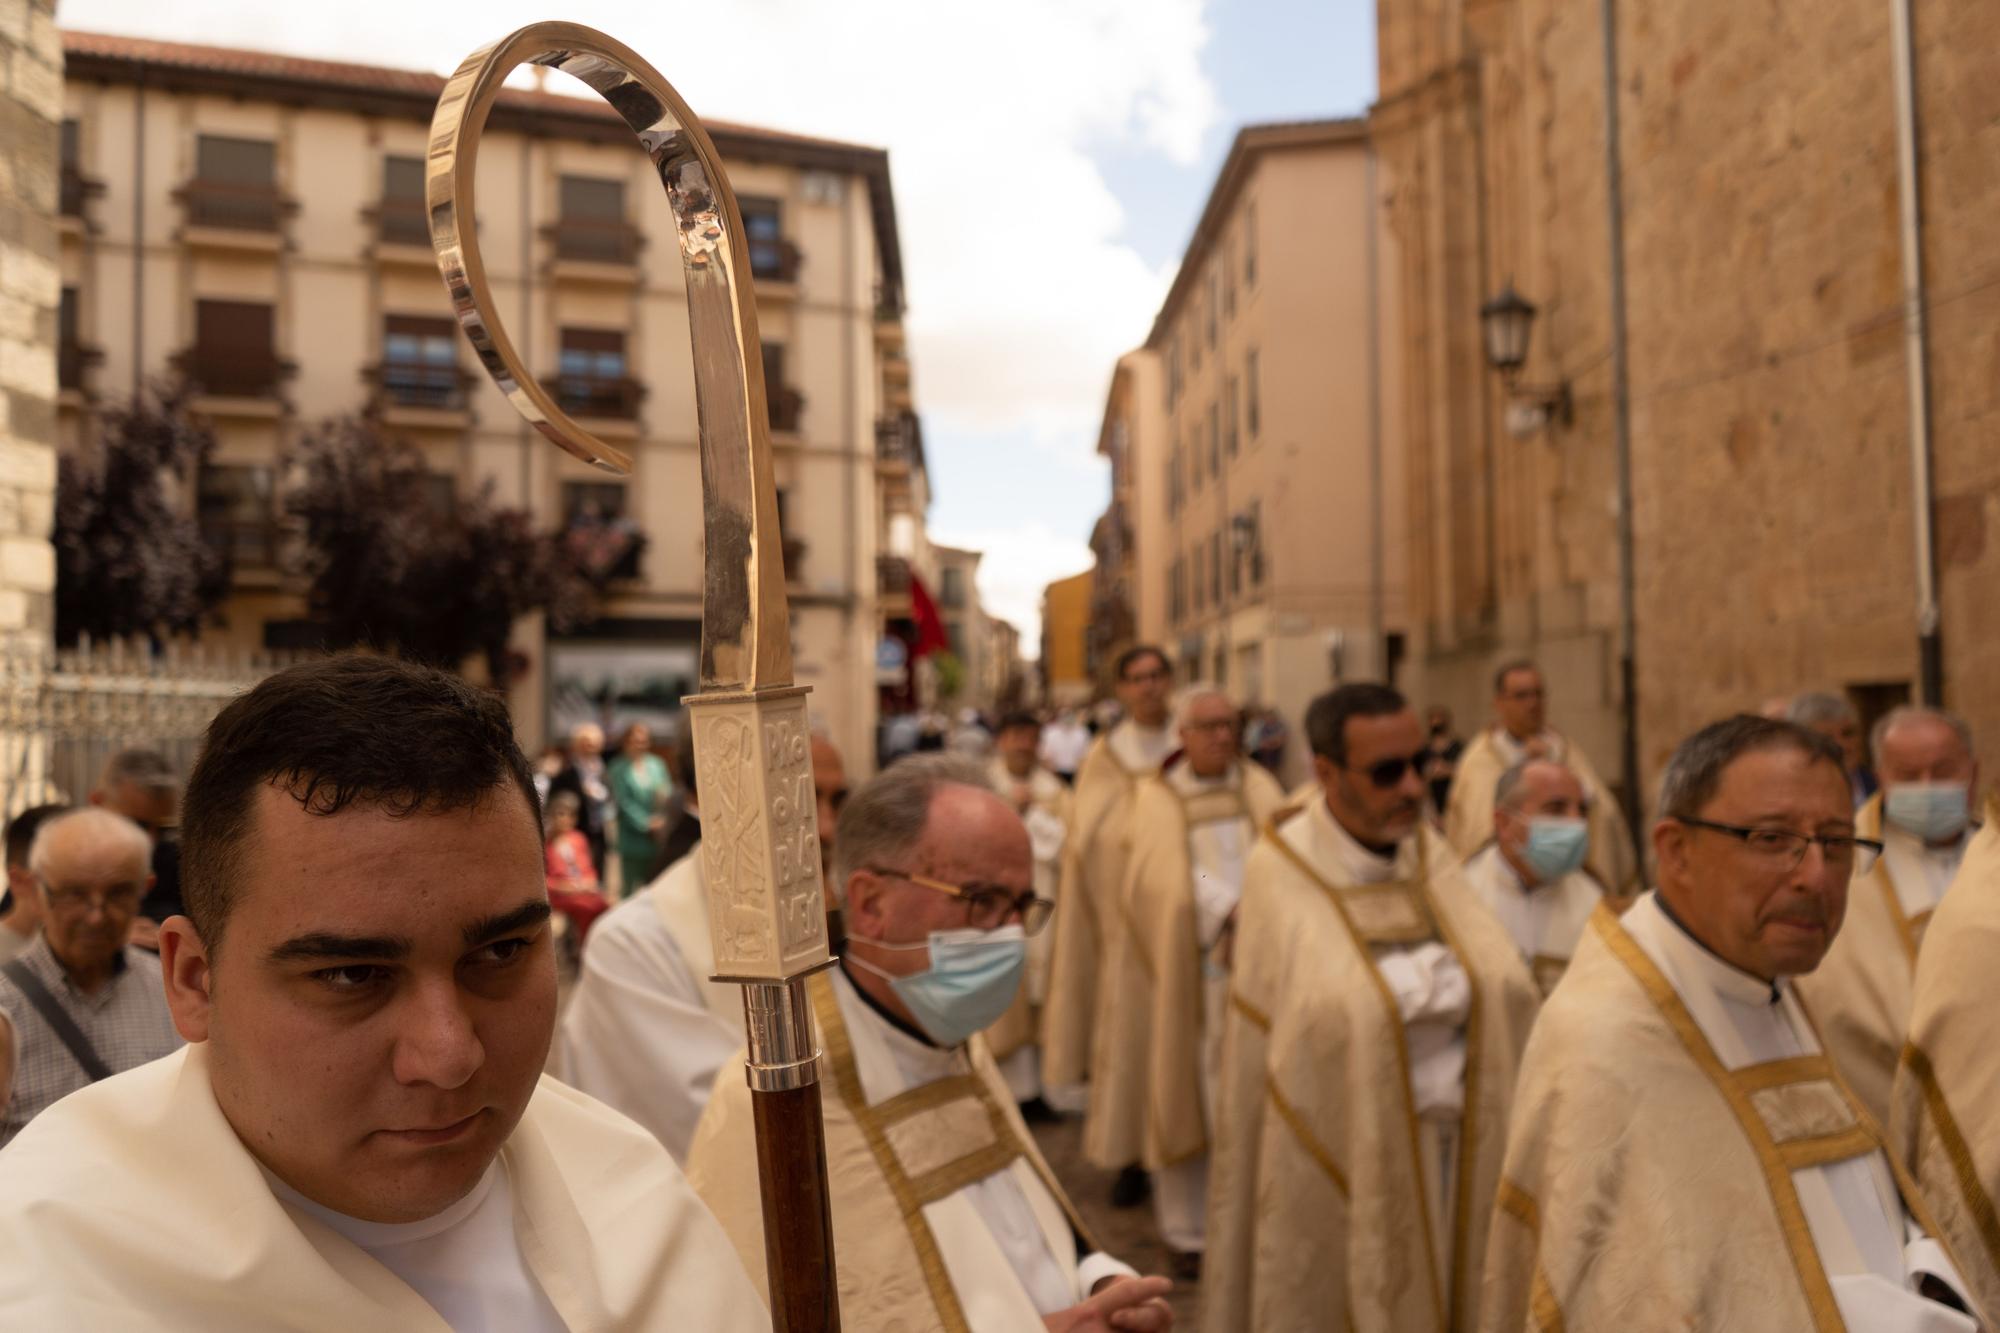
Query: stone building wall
1770	412
31	93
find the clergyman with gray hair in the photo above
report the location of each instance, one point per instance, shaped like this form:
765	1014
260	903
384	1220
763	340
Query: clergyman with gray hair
1923	815
1532	873
1834	718
1679	1146
948	1215
80	1004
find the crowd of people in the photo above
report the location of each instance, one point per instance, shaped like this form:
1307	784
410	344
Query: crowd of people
1427	1042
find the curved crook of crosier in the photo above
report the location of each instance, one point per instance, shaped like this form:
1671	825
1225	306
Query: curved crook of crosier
745	629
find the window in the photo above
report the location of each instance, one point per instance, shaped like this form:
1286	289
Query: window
1214	288
1195	454
1250	245
234	353
1177	591
783	401
1250	412
1229	439
792	544
597	532
420	362
1173	371
1215	439
1256	543
590	376
951	587
1174	476
1200	568
402	218
234	508
771	255
1194	328
235	184
69	353
72	168
592	225
1215	563
1229	279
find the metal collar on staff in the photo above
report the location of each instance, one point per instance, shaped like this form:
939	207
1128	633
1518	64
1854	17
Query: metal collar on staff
760	847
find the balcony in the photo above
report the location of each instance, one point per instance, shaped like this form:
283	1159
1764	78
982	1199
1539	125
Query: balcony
775	263
795	559
227	215
419	395
787	406
608	398
75	190
896	446
232	384
595	249
402	228
892	586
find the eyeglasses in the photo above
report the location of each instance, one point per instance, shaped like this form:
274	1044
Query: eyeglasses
1783	847
989	904
1148	677
64	898
1387	773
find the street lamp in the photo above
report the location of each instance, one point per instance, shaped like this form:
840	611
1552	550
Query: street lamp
1506	322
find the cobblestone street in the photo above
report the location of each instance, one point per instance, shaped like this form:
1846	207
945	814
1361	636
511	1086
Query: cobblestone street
1125	1232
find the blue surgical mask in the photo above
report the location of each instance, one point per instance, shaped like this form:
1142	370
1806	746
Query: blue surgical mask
972	979
1933	811
1555	846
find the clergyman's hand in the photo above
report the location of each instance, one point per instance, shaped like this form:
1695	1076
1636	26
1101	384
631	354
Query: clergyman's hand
1129	1304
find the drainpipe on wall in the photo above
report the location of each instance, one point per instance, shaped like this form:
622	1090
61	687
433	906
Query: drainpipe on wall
138	238
1930	652
1621	425
1377	613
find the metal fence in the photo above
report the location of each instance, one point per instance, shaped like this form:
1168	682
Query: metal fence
62	714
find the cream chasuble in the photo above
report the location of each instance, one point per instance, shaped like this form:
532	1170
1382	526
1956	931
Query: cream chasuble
945	1215
1468	824
1945	1119
1682	1155
1191	845
1043	803
646	1029
1093	876
1377	1011
1859	995
133	1205
1546	921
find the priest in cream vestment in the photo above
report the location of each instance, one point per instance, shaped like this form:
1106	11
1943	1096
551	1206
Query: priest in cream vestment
945	1216
1076	1029
1683	1154
1192	831
1945	1117
1859	998
358	1134
1042	801
1377	1012
1521	731
1531	875
646	1030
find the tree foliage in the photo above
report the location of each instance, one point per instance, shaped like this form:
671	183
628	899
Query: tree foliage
130	560
397	567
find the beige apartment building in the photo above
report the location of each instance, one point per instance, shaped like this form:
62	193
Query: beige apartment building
1265	512
1771	269
1064	668
1125	593
256	223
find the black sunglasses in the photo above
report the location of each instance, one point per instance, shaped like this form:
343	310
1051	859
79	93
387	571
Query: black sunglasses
1388	772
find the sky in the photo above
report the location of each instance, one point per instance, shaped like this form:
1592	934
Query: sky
1049	159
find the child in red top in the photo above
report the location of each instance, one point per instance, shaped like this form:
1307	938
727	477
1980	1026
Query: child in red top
572	879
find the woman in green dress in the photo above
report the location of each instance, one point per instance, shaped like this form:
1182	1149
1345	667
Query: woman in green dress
639	789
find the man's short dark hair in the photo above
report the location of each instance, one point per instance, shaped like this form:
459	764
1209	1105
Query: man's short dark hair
1326	716
1696	769
341	731
1138	653
1509	668
21	831
1020	717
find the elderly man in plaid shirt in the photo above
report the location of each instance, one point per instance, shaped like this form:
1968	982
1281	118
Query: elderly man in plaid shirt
79	1004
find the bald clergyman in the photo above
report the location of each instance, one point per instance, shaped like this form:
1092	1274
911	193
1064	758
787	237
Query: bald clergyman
1683	1153
1531	876
358	1134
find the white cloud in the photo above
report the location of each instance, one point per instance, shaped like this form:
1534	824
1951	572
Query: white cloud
1021	297
1020	562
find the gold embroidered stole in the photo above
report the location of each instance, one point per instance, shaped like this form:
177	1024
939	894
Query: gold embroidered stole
1398	914
1796	1113
929	1142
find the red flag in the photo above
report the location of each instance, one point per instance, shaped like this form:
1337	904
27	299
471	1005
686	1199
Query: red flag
931	636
